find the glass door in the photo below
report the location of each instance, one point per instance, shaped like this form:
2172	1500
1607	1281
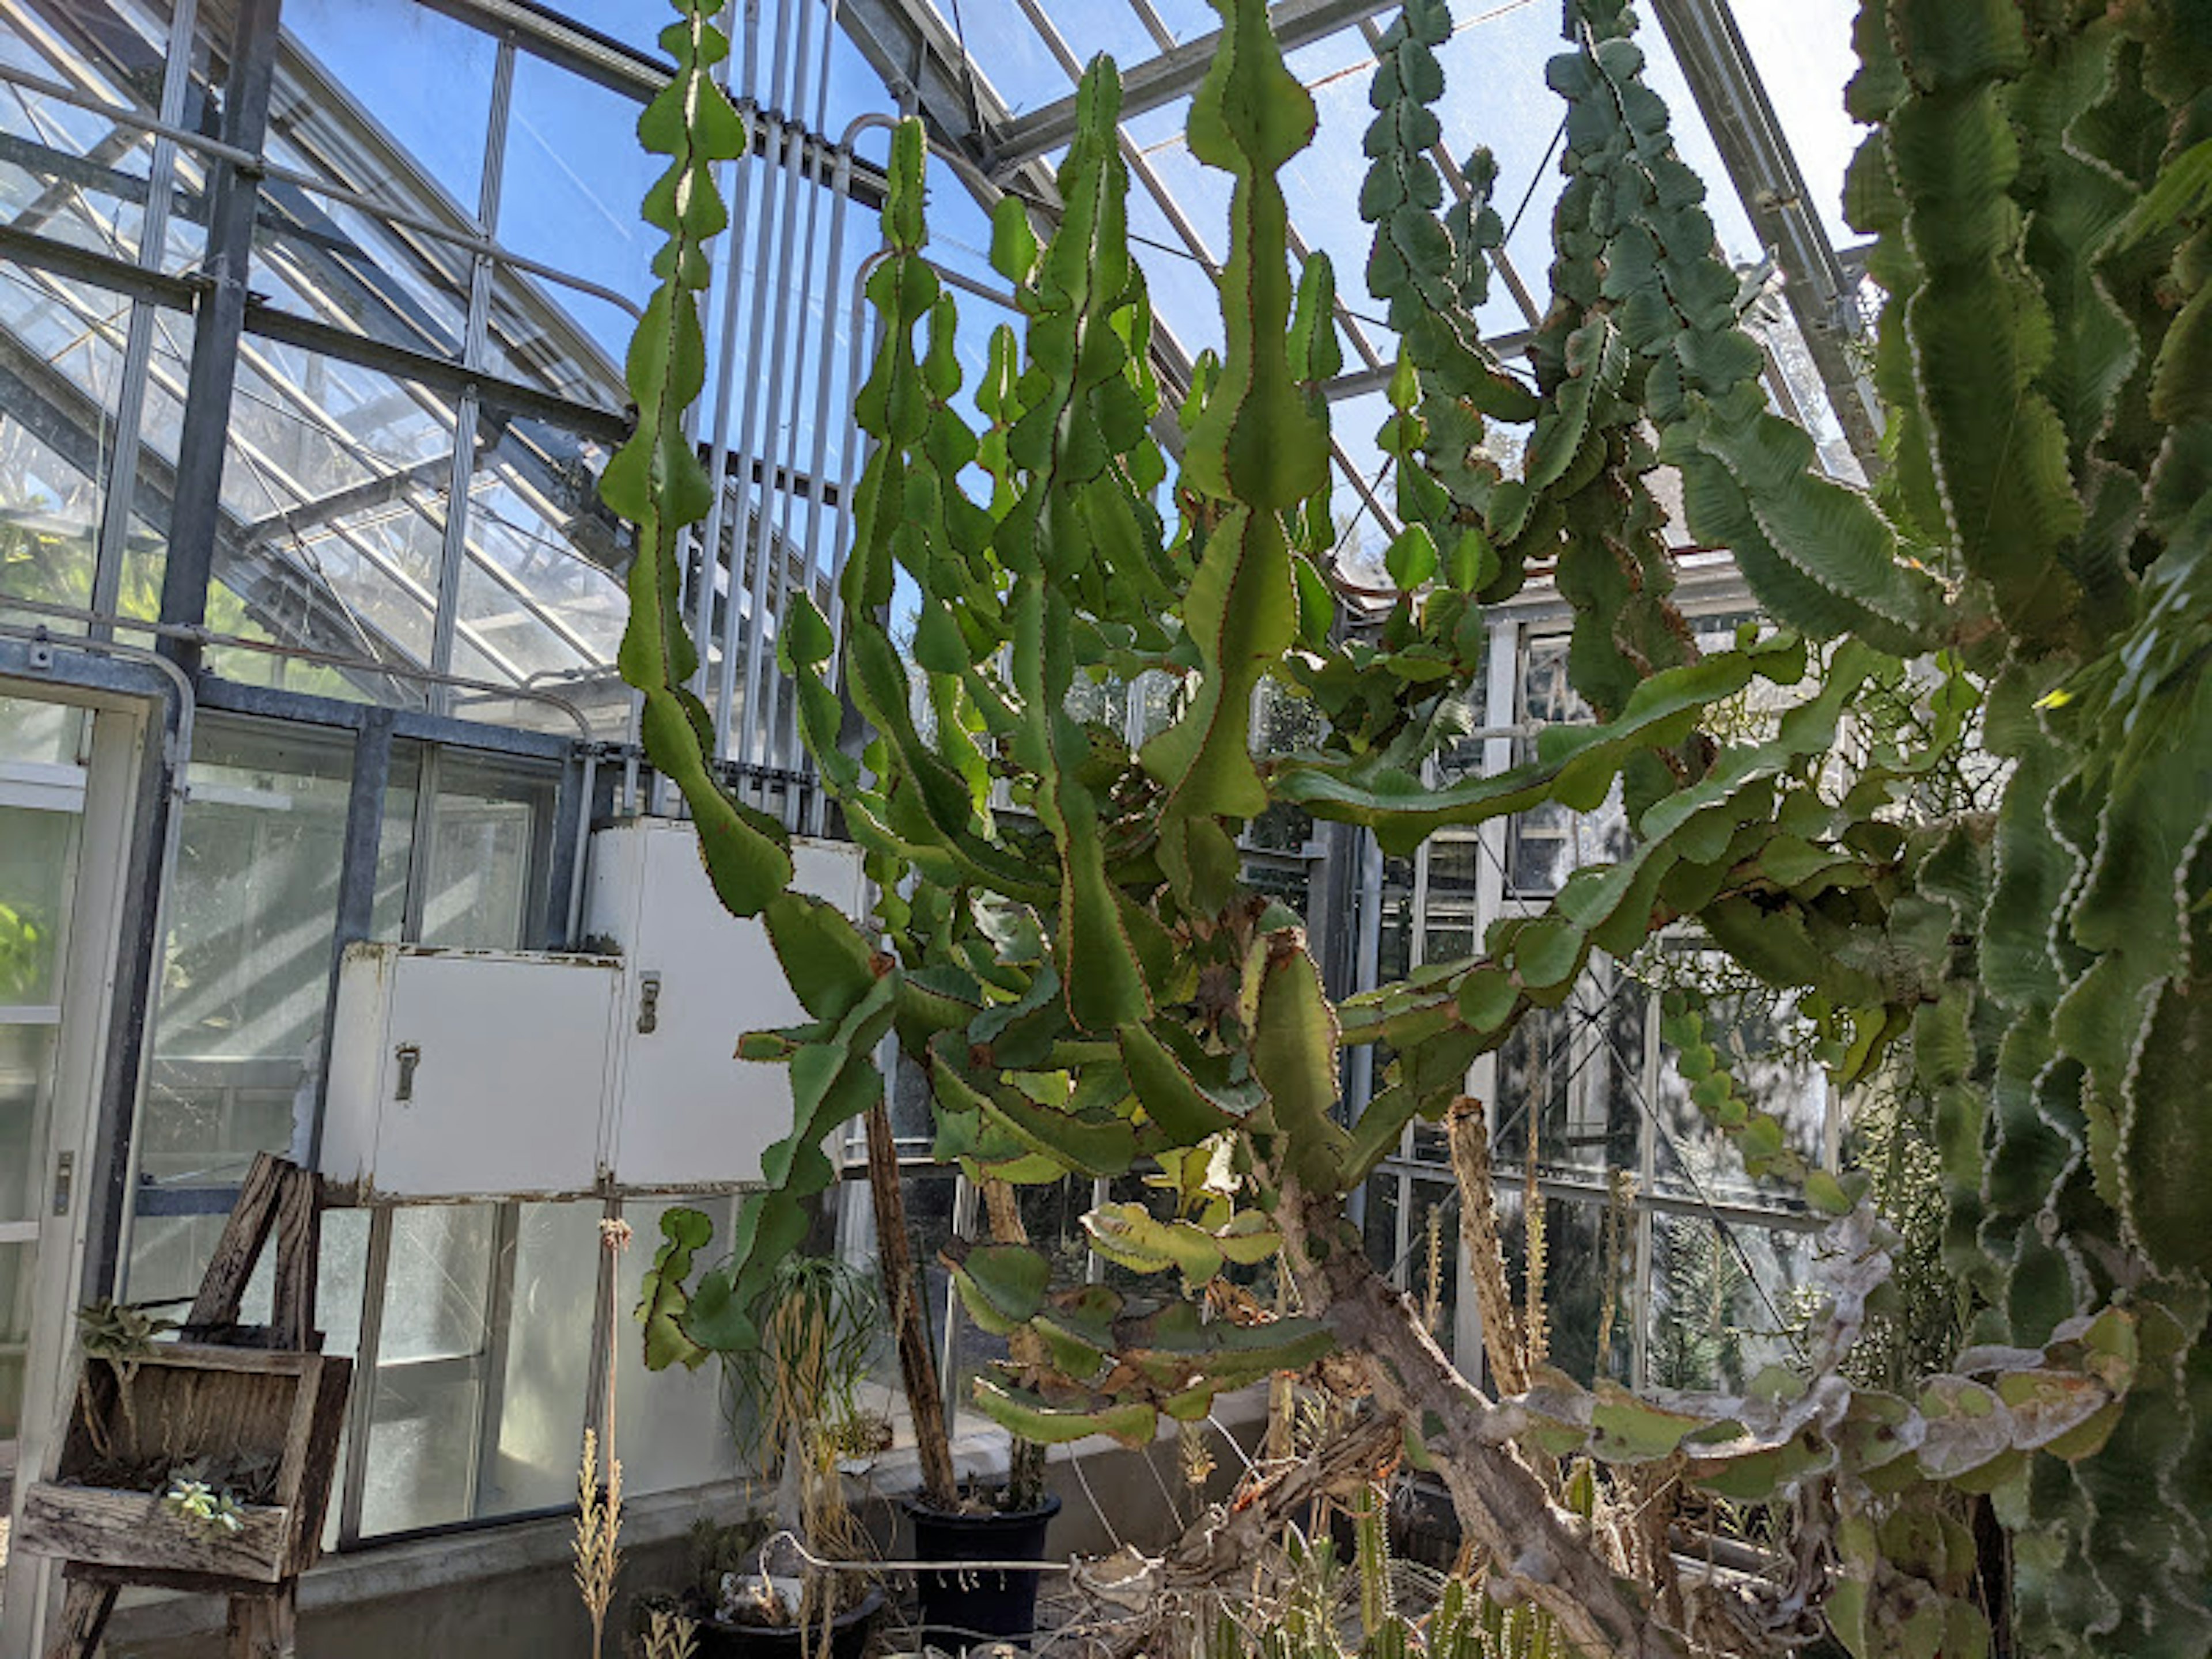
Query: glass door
43	752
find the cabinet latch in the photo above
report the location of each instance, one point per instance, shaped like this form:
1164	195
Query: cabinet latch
65	1181
648	1004
409	1056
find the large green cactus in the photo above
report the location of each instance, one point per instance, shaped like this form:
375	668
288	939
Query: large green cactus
1063	942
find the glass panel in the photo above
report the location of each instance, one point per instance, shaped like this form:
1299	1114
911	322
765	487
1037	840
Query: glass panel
1575	1075
40	733
1433	1268
36	866
17	1266
1549	843
61	363
1771	1053
433	1296
252	909
1720	1301
541	586
1802	49
549	1357
574	179
672	1429
430	1374
487	861
421	1450
356	71
1581	1255
25	1067
66	173
336	486
338	1313
1381	1224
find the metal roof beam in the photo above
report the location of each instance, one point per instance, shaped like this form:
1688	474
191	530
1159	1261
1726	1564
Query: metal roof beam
1172	74
1820	288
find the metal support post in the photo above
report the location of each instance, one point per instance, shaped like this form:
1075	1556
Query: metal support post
195	519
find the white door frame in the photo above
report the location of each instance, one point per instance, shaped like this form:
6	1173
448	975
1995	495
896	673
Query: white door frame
108	829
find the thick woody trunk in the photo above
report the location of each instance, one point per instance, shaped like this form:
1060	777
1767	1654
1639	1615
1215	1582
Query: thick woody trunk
917	1368
1503	1510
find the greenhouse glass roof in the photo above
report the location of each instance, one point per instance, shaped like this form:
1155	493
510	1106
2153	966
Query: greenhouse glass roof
447	261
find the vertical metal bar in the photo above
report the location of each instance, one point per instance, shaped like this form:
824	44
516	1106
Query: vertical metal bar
361	1409
1647	1173
159	825
761	277
826	354
364	830
454	555
865	323
498	1320
765	550
771	753
739	192
605	1266
138	345
195	513
571	844
421	856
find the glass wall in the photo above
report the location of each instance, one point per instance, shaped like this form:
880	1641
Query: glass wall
1657	1259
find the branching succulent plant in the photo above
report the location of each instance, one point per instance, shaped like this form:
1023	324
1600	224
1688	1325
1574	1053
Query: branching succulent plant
1063	942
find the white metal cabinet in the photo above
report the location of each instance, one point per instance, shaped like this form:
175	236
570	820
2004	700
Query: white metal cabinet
687	1112
460	1073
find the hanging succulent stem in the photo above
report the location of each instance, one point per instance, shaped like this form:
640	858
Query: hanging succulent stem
1064	949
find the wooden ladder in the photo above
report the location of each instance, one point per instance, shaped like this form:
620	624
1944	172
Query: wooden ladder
279	1198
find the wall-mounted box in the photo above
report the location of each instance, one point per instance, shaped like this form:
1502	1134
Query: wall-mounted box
479	1073
694	979
463	1073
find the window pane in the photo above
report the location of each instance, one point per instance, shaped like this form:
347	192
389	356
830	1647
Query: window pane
433	1296
671	1429
429	1372
40	733
35	869
16	1265
25	1067
1720	1300
549	1356
487	859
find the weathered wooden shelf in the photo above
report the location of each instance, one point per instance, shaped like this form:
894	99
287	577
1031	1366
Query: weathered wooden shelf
235	1407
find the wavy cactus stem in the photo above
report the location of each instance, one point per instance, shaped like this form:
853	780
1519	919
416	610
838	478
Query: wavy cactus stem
1064	948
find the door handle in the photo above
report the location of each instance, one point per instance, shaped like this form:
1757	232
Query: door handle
409	1056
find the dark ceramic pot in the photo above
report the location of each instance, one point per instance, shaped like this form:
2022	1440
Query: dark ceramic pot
963	1609
848	1636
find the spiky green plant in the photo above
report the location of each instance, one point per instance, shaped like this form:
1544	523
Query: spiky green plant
1089	986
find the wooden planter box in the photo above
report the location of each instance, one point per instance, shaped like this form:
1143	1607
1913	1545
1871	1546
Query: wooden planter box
226	1405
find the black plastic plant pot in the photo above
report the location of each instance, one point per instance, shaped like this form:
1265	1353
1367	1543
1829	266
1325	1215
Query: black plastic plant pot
848	1636
960	1610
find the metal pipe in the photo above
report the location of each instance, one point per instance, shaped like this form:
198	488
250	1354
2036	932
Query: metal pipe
765	553
723	706
305	653
472	241
178	759
710	538
138	351
771	688
826	357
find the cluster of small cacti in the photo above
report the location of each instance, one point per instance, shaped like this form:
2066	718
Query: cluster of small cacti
202	1504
